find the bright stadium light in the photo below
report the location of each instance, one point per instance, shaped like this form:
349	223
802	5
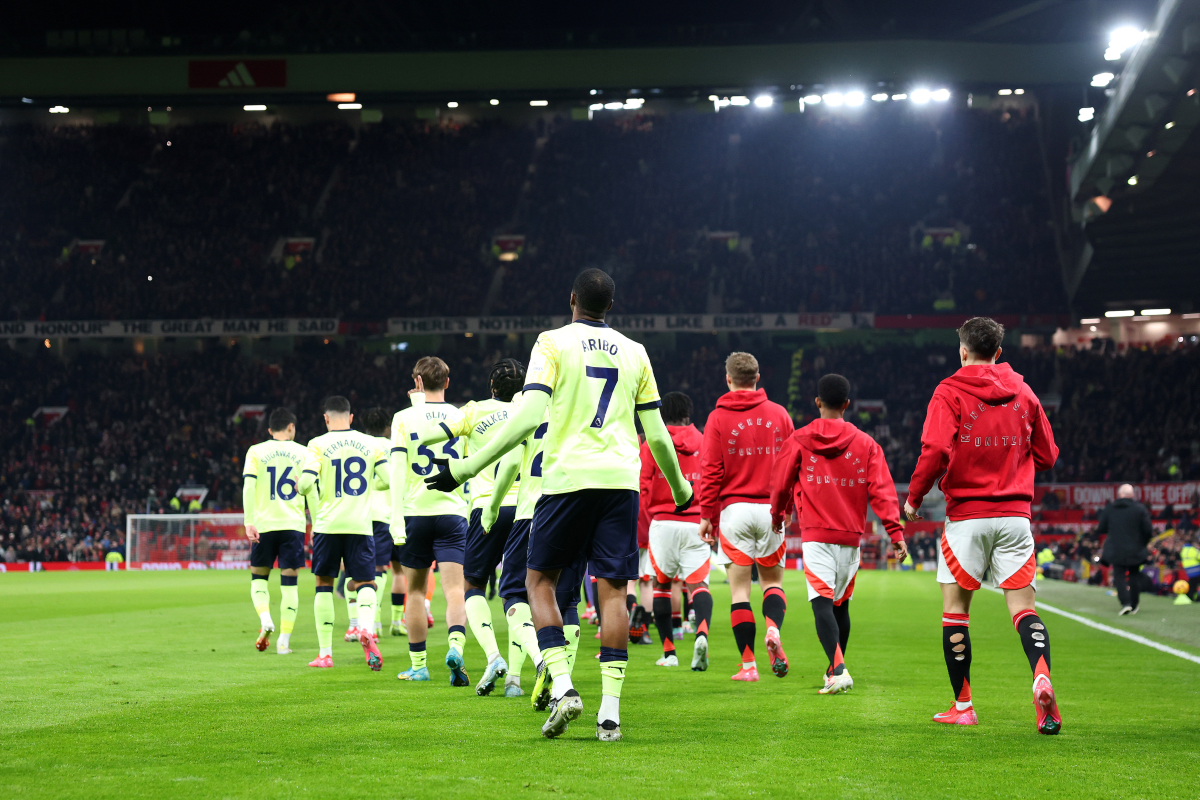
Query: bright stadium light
812	99
1090	321
1102	79
920	96
1115	314
596	107
635	102
901	96
452	104
833	99
764	101
879	98
712	98
1087	114
349	106
1133	180
59	109
254	107
855	98
1155	312
739	100
494	102
614	106
1123	38
1018	91
940	95
1004	92
539	102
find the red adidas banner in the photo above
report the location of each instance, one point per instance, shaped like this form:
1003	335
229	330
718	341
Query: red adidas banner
246	73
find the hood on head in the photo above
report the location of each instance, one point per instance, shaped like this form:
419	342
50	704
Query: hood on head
741	401
827	437
991	383
686	438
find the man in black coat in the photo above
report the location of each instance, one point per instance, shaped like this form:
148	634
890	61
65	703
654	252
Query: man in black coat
1127	524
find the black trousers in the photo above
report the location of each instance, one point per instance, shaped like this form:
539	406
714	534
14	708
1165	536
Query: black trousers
1125	580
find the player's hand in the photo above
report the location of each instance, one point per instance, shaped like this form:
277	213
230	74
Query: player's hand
443	480
682	507
419	386
488	519
901	550
777	523
707	533
251	531
399	534
910	513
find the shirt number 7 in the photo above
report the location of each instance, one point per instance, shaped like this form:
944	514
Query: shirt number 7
609	376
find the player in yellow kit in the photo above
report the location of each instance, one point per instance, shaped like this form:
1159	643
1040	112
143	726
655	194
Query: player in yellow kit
484	548
593	380
435	525
352	467
274	517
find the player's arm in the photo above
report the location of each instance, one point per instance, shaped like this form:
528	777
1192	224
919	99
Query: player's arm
520	426
382	471
712	476
431	432
881	494
506	474
398	482
784	475
249	495
663	449
310	472
937	442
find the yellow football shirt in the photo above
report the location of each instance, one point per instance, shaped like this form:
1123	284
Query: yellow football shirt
271	498
352	467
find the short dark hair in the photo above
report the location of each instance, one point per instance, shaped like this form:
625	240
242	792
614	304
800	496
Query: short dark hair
506	378
594	291
280	419
742	368
376	422
676	407
336	405
433	371
982	336
834	391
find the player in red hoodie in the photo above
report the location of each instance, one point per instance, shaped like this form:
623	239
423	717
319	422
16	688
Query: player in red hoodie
834	470
676	548
986	430
741	439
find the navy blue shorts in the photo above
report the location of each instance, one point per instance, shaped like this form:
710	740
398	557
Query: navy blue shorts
287	546
441	538
484	550
383	541
567	593
512	577
331	550
596	526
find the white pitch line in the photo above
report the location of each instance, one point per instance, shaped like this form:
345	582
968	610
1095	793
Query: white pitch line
1133	637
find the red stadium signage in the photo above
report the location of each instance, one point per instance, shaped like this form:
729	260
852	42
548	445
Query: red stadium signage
245	73
1094	496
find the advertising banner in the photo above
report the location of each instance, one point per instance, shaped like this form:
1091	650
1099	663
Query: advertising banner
657	323
137	329
1094	496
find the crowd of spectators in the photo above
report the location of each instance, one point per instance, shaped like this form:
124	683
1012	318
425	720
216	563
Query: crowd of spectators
139	427
691	213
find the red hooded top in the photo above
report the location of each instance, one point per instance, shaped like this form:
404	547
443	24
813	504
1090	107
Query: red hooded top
741	439
656	497
986	430
834	470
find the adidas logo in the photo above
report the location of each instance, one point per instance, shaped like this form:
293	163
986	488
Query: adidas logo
238	76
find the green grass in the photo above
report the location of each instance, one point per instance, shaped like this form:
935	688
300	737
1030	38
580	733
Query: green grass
147	684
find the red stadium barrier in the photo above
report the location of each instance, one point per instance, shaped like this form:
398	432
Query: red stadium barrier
53	566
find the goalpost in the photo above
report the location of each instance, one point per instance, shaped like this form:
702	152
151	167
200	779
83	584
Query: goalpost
186	541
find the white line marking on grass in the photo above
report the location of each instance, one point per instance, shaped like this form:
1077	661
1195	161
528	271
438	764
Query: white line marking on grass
1133	637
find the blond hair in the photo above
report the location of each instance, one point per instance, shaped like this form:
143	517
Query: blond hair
433	372
742	368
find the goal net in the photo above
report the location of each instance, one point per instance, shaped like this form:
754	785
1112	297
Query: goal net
186	541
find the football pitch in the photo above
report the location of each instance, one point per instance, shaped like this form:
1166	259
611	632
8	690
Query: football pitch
148	684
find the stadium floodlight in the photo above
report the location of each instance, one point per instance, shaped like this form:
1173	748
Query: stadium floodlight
712	98
920	96
1090	321
452	104
855	98
341	97
596	107
833	99
1155	312
879	98
1133	180
1168	126
901	96
1123	38
1018	91
634	102
1004	92
739	100
1102	79
1087	114
59	109
940	95
494	102
764	101
349	106
812	99
539	102
1115	314
614	106
254	107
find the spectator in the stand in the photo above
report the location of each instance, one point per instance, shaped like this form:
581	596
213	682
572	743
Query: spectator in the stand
1126	522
